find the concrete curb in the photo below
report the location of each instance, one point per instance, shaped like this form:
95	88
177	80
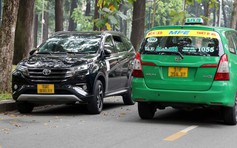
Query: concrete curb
7	105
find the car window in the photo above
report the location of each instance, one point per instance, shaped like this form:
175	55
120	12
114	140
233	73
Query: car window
109	41
127	43
195	43
119	44
232	41
71	43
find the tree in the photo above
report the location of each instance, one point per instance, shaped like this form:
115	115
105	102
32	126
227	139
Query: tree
110	13
72	25
234	15
138	22
58	15
84	23
96	15
7	33
24	30
88	8
167	12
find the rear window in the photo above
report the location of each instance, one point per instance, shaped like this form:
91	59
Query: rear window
185	42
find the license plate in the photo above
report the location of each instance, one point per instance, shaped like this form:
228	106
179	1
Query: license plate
45	88
178	72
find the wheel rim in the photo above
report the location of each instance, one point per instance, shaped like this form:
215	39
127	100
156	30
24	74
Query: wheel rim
99	97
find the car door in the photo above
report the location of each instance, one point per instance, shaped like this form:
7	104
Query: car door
113	71
126	54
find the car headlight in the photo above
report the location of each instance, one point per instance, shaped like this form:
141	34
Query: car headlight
22	69
80	68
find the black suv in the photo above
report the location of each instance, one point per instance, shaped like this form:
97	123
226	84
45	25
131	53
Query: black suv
75	67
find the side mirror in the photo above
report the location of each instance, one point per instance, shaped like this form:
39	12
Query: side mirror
107	50
32	52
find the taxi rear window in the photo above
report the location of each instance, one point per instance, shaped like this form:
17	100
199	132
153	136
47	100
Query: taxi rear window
194	43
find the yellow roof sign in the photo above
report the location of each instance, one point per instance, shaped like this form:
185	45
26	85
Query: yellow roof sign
197	33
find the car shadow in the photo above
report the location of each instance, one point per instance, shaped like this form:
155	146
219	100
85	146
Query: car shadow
75	109
183	117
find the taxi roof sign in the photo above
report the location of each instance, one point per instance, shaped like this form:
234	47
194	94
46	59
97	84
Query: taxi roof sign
192	21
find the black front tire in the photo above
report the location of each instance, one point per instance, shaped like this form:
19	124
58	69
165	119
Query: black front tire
146	110
230	114
95	105
24	107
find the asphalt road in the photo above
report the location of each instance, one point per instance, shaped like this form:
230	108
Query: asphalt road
118	126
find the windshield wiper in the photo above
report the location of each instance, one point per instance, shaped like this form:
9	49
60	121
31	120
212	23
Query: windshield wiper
171	52
199	53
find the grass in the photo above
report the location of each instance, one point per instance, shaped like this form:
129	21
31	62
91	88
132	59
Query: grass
5	96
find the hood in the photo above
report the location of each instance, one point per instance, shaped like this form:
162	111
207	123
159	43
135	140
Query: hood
57	61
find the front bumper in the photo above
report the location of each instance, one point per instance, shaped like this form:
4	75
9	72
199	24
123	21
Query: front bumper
63	94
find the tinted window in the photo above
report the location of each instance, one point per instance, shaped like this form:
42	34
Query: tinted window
109	41
71	43
127	43
198	46
119	44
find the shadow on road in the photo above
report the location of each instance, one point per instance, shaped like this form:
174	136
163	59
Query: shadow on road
174	116
75	109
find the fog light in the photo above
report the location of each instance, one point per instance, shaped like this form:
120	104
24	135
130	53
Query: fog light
15	87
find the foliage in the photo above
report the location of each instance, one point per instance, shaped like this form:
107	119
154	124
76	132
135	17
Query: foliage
84	23
168	12
179	16
110	12
5	96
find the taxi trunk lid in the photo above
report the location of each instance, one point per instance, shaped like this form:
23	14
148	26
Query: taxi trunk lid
171	72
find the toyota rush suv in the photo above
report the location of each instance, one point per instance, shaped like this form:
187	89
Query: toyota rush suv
75	67
186	66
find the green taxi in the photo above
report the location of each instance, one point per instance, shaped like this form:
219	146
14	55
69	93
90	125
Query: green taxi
188	66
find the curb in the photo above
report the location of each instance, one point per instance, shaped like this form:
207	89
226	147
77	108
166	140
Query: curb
7	105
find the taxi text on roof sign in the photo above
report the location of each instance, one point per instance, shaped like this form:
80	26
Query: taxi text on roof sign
194	21
198	33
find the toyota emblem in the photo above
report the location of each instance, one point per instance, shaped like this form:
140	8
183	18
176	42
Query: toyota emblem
46	72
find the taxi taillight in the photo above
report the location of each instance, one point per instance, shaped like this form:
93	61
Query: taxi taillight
222	73
137	66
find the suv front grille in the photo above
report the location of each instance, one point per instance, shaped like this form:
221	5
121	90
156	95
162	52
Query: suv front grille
55	76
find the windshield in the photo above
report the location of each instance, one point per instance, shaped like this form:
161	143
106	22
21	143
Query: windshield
85	44
185	44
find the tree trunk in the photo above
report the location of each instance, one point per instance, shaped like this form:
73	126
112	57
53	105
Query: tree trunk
224	13
24	30
154	14
218	12
206	7
88	8
58	15
125	24
96	15
234	15
72	25
45	25
36	19
214	17
138	23
0	12
7	36
120	19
